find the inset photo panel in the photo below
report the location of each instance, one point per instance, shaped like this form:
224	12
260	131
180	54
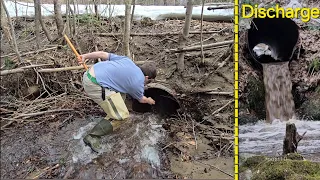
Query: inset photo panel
279	90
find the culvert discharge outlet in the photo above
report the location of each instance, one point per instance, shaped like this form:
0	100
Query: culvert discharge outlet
279	34
165	98
271	43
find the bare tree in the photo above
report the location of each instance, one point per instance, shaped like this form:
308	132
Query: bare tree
44	28
133	7
126	35
96	10
68	27
74	24
58	17
201	29
183	37
4	25
36	23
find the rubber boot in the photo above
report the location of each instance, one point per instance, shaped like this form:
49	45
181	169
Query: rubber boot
92	139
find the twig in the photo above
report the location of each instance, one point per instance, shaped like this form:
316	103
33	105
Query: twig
42	112
300	137
31	52
168	145
218	110
42	82
67	119
215	168
217	45
194	134
220	93
116	175
203	90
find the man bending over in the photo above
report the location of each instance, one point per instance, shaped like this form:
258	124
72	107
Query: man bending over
107	82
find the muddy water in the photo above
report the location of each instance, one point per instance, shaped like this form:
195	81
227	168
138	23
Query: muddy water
131	151
267	139
135	143
278	86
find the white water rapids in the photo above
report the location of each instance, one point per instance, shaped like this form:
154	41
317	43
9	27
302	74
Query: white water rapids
267	139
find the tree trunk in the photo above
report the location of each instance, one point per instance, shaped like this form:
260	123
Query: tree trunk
126	36
73	32
165	2
16	8
133	7
201	35
291	140
44	28
68	28
58	17
36	22
183	37
96	10
4	25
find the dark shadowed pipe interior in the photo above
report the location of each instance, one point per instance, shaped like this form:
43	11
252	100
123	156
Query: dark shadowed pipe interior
166	102
280	34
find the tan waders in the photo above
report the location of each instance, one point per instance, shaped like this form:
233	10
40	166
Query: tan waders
117	113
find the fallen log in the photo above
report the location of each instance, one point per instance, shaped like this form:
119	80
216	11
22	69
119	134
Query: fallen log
31	52
158	34
210	18
40	113
221	7
192	48
48	70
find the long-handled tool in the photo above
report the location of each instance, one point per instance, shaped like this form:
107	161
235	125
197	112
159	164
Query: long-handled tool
75	51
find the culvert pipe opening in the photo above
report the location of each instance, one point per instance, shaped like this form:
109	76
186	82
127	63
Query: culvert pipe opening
272	40
166	101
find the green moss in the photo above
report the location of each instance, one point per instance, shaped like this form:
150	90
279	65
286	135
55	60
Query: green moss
314	66
252	162
9	64
285	168
256	97
294	156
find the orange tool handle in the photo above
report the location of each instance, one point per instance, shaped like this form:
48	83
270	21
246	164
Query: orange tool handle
74	51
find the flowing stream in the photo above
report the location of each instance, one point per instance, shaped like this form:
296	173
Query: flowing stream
266	136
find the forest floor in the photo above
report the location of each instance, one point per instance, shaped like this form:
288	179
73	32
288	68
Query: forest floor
197	142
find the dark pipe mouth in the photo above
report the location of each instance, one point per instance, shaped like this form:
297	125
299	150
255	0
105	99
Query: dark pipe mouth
280	34
166	102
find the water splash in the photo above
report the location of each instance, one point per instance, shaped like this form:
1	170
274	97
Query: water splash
81	153
278	86
145	134
267	139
